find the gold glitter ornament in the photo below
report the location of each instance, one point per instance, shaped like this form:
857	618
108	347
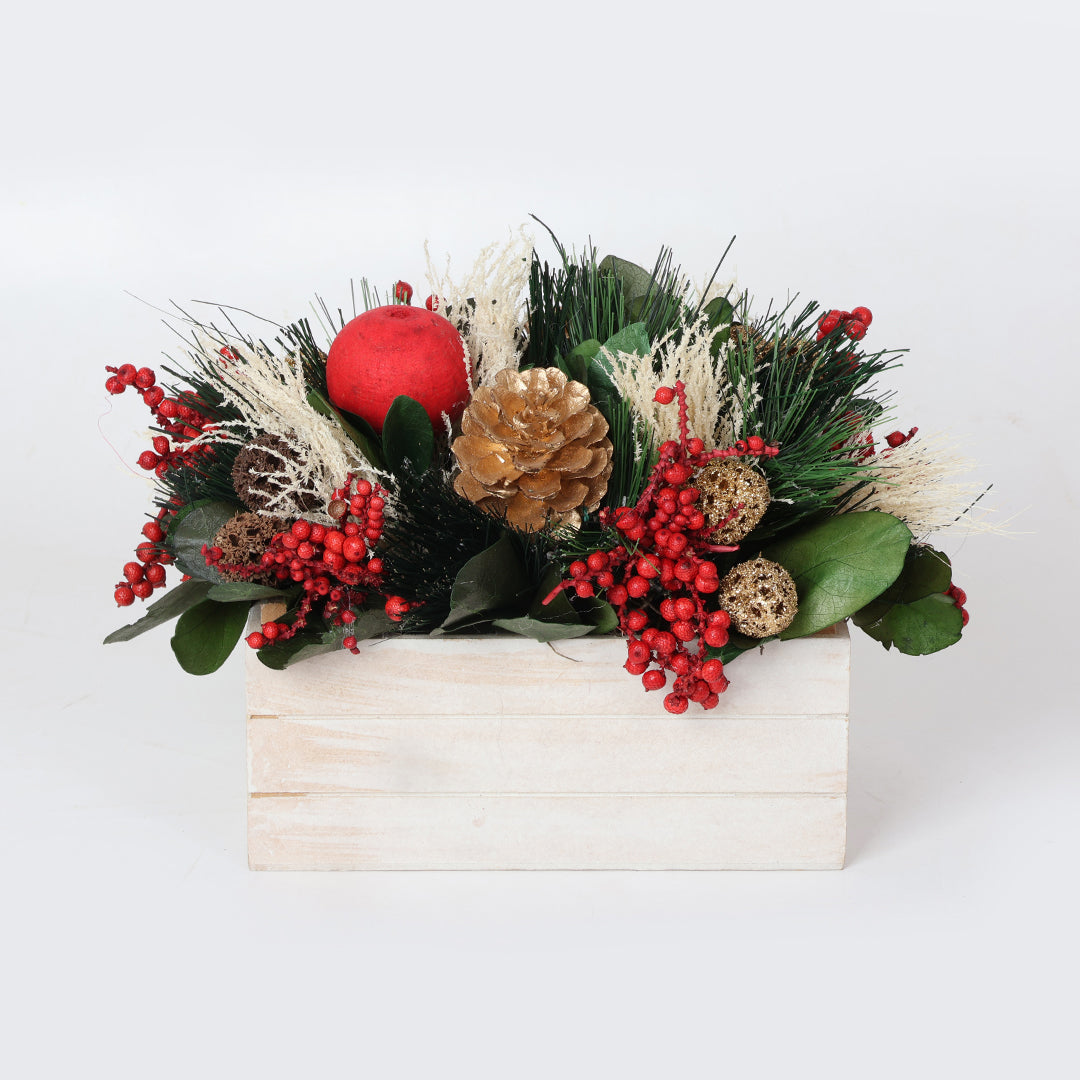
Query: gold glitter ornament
760	597
723	485
533	448
243	539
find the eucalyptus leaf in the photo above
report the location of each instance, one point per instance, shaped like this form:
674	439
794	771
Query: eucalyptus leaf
600	616
630	339
198	527
924	626
234	591
173	604
542	631
575	365
636	280
840	565
719	311
408	438
494	580
206	634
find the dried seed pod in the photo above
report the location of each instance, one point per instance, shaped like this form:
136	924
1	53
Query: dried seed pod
760	597
267	455
243	539
533	448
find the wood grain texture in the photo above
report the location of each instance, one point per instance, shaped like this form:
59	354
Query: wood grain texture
546	832
500	753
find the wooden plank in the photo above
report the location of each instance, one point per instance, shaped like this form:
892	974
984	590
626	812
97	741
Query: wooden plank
513	676
695	752
551	832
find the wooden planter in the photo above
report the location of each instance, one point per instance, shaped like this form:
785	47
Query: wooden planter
501	753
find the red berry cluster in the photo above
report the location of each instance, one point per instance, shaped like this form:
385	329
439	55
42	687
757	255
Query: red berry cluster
959	599
176	416
334	564
141	578
854	323
659	574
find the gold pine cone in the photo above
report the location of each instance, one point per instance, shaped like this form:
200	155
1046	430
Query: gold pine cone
724	484
760	597
534	449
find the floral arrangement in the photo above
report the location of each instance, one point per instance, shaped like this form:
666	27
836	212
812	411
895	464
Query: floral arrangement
551	450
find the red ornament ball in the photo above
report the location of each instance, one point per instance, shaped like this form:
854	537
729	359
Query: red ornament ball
396	350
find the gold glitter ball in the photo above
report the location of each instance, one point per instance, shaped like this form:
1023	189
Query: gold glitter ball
723	485
760	597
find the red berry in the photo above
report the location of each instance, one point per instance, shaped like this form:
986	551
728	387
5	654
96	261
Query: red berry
301	529
349	642
403	295
895	439
711	670
654	680
256	640
375	566
114	384
127	374
685	608
963	617
665	643
827	324
715	637
958	595
145	378
637	652
133	571
148	460
270	630
578	569
597	561
155	574
153	531
683	630
148	553
694	446
675	703
667	609
664	396
584	589
863	315
636	620
123	596
636	669
353	549
432	303
718	618
142	589
617	595
637	587
855	330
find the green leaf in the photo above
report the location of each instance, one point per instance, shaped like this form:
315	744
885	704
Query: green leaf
925	626
196	528
720	310
408	439
206	634
841	565
636	280
366	445
494	580
630	339
175	602
575	365
368	624
542	631
925	572
233	591
600	615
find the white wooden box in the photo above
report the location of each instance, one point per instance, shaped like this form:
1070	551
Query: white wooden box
502	753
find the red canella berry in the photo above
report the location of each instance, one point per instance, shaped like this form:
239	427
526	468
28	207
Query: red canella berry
363	488
154	397
636	620
683	630
958	595
169	409
127	373
114	384
755	443
270	630
584	589
617	595
432	303
353	549
718	618
654	680
148	460
142	589
123	596
855	330
711	670
668	610
895	439
148	553
155	574
664	396
153	531
637	587
301	529
715	637
256	640
145	378
638	652
161	445
685	570
680	663
317	534
605	579
963	617
694	446
647	568
375	566
578	569
675	703
349	642
863	314
685	608
649	636
133	571
636	669
597	561
665	644
403	295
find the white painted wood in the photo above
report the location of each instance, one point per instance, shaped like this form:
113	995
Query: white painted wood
546	832
387	756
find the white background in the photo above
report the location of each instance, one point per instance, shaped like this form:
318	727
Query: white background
920	159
